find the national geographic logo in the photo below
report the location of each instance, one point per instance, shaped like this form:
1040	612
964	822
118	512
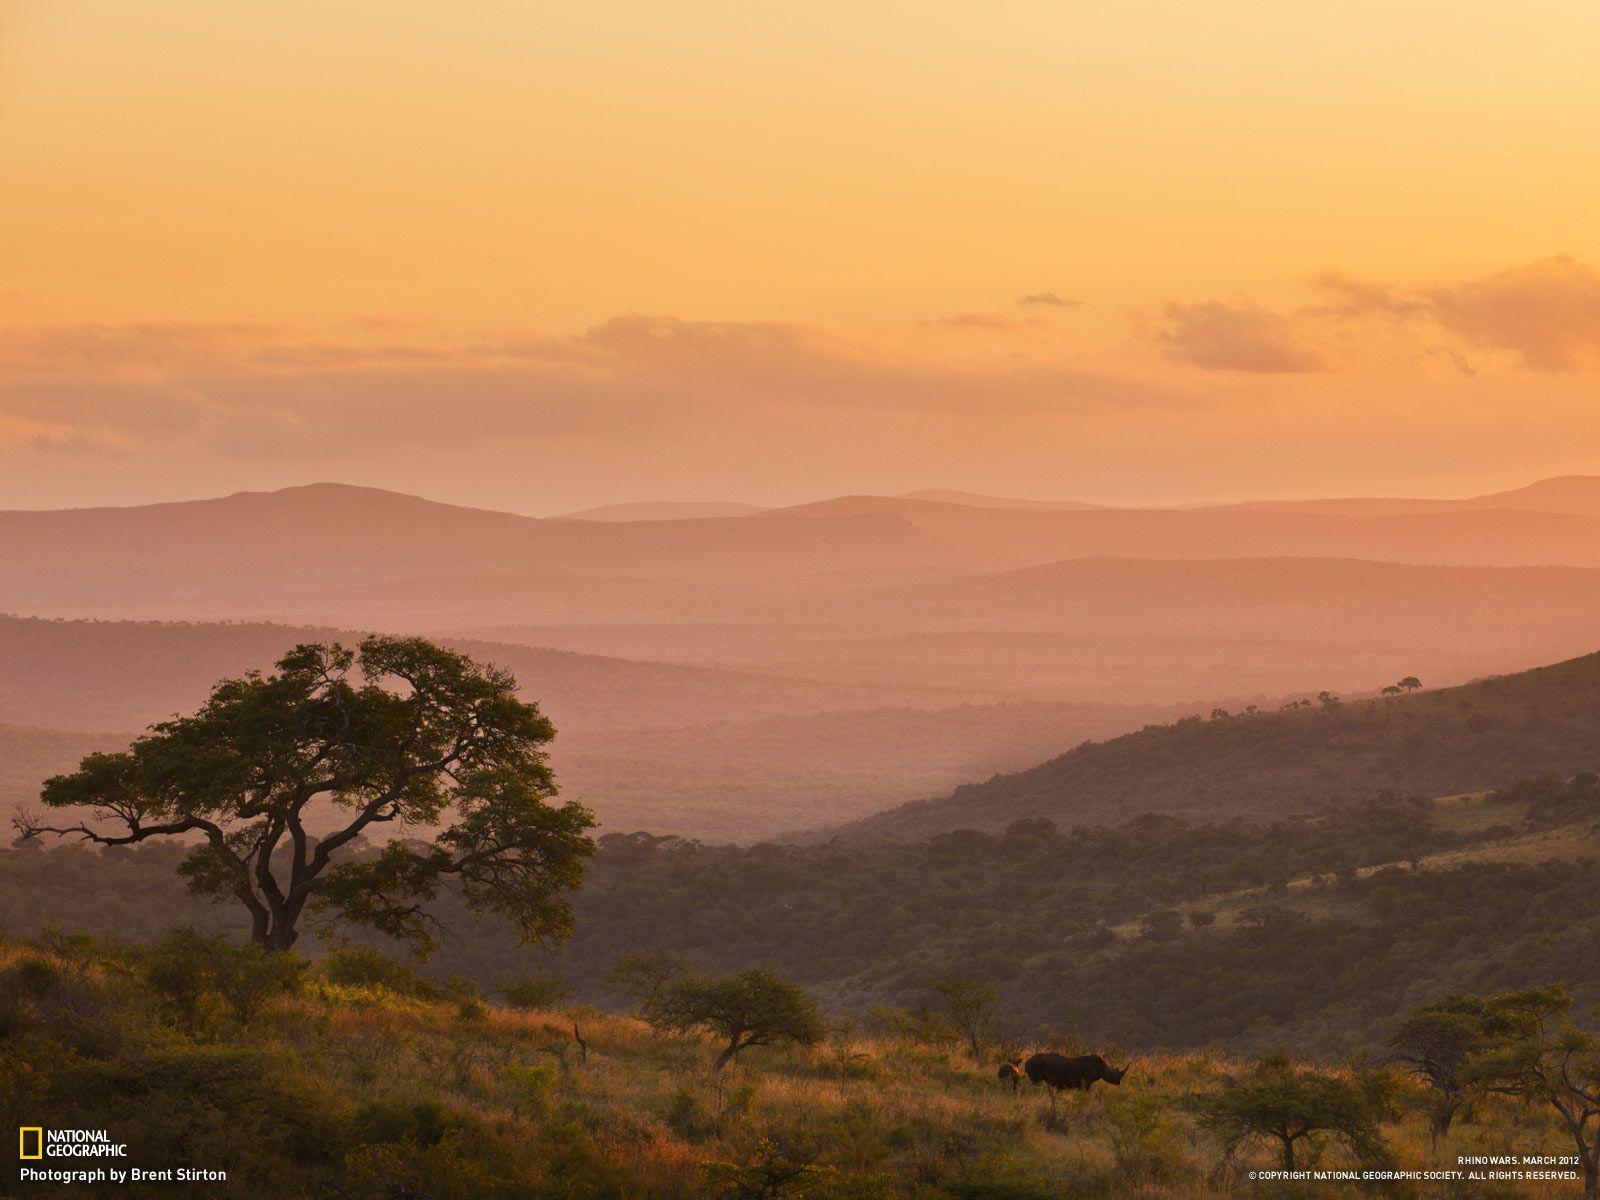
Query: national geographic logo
34	1142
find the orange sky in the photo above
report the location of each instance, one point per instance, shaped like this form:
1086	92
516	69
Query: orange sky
540	256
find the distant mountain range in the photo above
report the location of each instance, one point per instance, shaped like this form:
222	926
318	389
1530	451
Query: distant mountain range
308	551
1050	622
663	510
953	602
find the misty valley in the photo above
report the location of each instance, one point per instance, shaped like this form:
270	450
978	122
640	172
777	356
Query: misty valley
933	846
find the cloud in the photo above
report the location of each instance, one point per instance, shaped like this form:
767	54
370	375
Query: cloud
264	393
1235	337
1545	314
1354	298
982	321
26	433
1048	299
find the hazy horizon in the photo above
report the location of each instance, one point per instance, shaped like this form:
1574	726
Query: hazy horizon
801	497
1148	257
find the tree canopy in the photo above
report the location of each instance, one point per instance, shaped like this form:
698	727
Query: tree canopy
1536	1051
1287	1103
751	1008
282	779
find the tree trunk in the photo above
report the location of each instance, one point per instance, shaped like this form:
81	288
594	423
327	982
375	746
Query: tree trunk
733	1047
1288	1152
277	936
1443	1117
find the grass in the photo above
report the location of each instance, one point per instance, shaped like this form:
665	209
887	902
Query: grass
639	1113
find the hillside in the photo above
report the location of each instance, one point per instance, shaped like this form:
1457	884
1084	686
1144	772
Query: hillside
1463	536
231	556
714	754
1309	932
1124	630
126	674
744	781
979	500
1573	494
335	554
1469	738
365	1083
662	510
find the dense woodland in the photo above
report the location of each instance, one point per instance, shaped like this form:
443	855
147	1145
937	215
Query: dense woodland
1306	933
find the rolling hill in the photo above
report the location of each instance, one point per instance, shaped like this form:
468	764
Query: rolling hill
1461	536
713	754
253	552
1121	630
303	553
1481	735
1573	494
663	510
126	674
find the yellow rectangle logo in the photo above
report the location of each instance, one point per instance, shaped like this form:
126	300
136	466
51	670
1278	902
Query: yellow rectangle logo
38	1141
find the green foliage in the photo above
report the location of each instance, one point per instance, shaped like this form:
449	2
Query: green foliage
362	966
641	976
1437	1043
971	1004
189	969
773	1168
35	976
532	990
400	731
751	1008
1283	1102
178	967
342	1094
1049	917
1536	1051
274	1127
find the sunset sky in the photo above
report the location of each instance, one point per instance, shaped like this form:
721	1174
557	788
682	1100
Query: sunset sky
540	256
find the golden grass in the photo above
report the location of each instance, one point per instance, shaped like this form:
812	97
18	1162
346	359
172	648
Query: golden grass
891	1118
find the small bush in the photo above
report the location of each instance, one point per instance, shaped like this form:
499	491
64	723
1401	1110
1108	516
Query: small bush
360	966
540	989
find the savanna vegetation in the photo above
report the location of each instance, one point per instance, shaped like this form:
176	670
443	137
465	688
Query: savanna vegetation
354	1077
1306	933
816	1020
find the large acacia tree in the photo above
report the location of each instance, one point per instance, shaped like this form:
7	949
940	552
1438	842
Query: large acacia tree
285	782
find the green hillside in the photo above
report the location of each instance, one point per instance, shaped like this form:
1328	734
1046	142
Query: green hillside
1481	735
1310	932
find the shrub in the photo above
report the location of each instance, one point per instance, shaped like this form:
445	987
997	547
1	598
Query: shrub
541	989
274	1128
178	968
247	976
361	966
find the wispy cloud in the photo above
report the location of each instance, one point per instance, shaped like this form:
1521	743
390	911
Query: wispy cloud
1048	300
982	321
1235	337
1545	314
254	391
